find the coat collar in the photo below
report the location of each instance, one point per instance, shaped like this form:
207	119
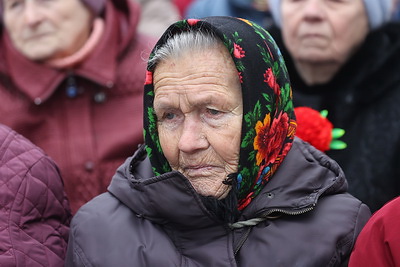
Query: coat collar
39	82
305	175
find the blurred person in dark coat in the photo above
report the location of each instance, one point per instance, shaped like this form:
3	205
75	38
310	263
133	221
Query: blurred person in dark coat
71	81
344	57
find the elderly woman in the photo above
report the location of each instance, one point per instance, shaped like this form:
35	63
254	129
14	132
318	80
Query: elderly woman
221	179
68	69
344	57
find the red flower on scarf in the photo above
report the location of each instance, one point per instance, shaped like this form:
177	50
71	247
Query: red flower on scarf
238	52
240	77
270	79
149	77
286	150
192	22
270	137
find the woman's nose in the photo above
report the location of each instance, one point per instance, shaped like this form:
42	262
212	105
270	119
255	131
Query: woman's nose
32	13
193	137
313	9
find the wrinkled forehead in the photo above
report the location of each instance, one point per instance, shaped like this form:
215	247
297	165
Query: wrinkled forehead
217	53
211	69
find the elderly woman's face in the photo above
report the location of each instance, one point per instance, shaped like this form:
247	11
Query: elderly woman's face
44	30
198	103
323	30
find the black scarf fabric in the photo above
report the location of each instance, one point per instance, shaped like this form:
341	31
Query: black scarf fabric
269	124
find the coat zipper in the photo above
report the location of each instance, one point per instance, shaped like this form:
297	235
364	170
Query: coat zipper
286	212
266	216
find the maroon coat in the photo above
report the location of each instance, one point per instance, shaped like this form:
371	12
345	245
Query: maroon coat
91	133
34	210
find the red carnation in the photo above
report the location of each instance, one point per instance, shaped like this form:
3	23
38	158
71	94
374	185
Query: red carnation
313	128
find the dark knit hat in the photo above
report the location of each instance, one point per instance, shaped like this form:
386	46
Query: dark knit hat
96	6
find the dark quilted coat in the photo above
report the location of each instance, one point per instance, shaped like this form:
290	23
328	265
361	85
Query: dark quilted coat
34	210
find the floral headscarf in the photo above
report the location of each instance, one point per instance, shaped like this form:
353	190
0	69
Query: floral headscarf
269	124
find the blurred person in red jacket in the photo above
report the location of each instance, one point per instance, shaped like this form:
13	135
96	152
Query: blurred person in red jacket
71	81
34	209
379	241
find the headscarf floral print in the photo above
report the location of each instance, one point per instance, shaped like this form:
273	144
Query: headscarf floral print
269	124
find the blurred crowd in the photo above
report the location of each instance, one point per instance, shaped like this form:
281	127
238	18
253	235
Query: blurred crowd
71	99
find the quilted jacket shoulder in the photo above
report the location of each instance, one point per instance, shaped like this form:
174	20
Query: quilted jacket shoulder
34	210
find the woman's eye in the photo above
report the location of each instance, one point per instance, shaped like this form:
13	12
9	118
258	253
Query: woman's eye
13	4
169	116
213	112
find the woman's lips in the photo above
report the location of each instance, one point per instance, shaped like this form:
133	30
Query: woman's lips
36	36
199	170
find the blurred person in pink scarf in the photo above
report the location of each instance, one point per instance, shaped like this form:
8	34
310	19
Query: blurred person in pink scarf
71	76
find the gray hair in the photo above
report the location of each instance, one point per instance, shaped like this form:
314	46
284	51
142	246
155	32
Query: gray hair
182	43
